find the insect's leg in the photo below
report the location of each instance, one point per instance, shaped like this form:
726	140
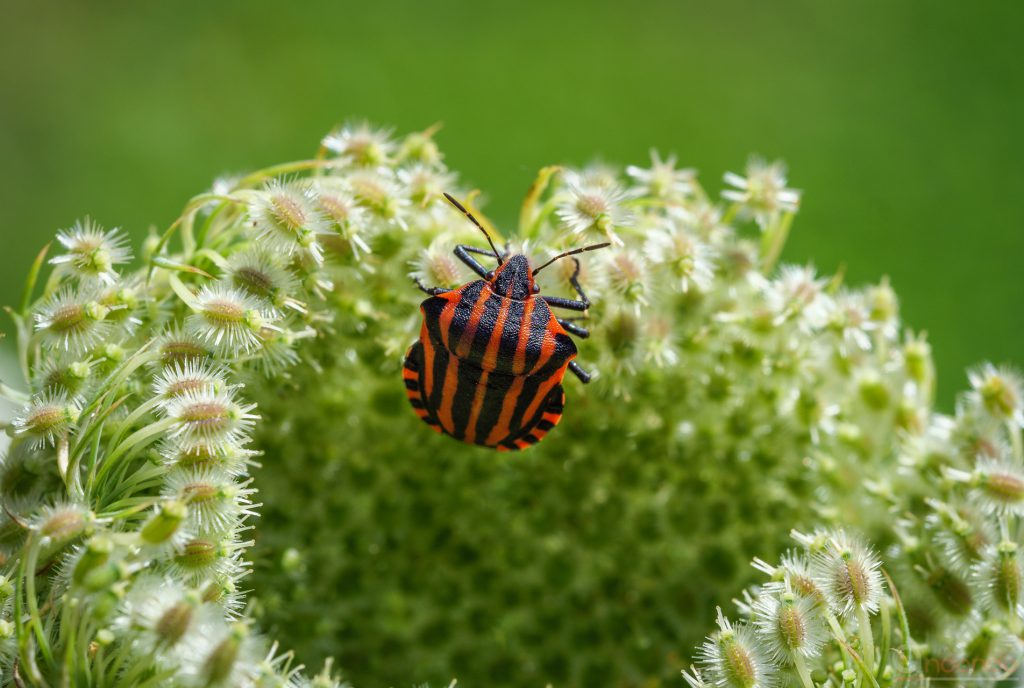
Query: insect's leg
568	304
583	375
462	253
430	291
573	328
571	304
575	282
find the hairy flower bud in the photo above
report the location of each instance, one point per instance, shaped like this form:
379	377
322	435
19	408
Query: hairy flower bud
732	657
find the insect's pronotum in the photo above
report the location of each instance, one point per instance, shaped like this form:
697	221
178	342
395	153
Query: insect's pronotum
489	363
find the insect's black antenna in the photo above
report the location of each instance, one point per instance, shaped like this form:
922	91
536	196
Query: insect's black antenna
477	223
573	252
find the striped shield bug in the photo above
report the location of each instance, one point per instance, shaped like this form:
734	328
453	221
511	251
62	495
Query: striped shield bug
489	363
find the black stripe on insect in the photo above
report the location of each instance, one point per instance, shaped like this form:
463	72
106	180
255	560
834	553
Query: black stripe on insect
489	363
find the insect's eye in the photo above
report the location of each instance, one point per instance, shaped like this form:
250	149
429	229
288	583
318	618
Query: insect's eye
489	276
536	289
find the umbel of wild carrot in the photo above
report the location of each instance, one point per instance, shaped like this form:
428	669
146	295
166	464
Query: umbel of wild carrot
256	344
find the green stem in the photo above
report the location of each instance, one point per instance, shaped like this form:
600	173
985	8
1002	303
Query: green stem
33	276
277	170
730	214
775	239
11	394
802	670
837	633
33	603
25	653
1014	431
866	638
883	655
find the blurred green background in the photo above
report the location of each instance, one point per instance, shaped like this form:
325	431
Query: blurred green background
901	121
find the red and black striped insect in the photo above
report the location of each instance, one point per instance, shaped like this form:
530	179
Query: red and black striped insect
489	363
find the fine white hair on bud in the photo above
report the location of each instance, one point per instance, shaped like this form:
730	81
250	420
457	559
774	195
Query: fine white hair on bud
57	374
793	573
996	485
382	197
761	192
209	416
686	258
847	572
662	180
229	319
592	209
62	523
165	611
798	293
962	532
425	184
191	375
92	254
177	347
49	417
73	321
437	266
263	274
788	624
361	145
997	392
215	500
623	275
734	657
202	558
285	218
344	216
230	457
998	578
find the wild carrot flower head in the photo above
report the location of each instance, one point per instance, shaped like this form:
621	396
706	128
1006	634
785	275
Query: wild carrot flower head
593	211
361	145
344	216
92	254
49	417
788	623
264	275
846	570
997	391
734	657
686	258
996	484
425	183
73	321
662	180
209	416
761	193
998	577
229	319
285	218
214	499
192	375
437	266
385	201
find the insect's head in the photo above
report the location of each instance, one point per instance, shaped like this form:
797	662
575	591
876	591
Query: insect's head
513	279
